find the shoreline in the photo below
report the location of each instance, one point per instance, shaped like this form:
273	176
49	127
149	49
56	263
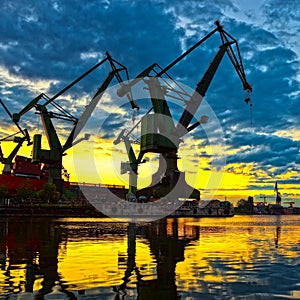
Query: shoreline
50	211
86	211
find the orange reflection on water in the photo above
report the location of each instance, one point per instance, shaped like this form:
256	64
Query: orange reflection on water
238	249
101	263
241	256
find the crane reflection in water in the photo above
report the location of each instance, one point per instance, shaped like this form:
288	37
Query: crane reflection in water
167	245
244	256
35	244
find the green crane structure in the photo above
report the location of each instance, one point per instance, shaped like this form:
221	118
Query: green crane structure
132	165
8	161
53	156
160	134
19	140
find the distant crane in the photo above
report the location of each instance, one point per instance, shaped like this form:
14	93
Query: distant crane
8	161
291	203
19	140
264	197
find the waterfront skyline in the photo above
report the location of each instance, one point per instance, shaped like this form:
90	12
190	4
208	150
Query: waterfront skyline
47	45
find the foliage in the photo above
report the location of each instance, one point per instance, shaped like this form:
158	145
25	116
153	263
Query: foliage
48	193
3	192
68	196
245	206
25	194
225	204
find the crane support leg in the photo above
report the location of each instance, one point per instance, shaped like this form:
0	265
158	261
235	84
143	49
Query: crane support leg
167	179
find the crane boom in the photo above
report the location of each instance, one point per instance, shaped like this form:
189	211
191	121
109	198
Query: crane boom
16	116
2	159
206	80
77	80
200	91
88	111
23	131
183	55
96	98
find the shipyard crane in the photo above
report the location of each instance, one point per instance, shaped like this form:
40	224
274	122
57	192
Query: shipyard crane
8	161
159	133
19	140
291	203
53	156
132	165
264	197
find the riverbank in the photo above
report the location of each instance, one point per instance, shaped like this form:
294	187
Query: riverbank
50	211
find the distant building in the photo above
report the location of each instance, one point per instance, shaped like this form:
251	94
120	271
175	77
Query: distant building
212	208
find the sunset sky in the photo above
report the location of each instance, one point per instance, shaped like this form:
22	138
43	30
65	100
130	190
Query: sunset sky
47	44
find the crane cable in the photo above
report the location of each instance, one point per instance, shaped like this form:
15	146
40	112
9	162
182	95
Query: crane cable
251	115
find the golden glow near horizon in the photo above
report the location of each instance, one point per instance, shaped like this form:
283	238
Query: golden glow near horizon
100	163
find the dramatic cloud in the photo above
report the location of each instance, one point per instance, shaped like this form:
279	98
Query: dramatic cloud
45	45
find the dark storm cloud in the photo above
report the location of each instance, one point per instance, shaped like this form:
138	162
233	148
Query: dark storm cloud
49	39
273	154
290	181
283	17
111	126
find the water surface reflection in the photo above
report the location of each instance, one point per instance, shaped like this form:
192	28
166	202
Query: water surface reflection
227	258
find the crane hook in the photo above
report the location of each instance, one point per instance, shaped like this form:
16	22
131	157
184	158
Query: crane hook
133	117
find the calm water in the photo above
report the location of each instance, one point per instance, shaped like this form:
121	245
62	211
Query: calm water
243	257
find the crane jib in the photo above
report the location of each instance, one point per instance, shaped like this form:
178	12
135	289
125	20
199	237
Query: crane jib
199	93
